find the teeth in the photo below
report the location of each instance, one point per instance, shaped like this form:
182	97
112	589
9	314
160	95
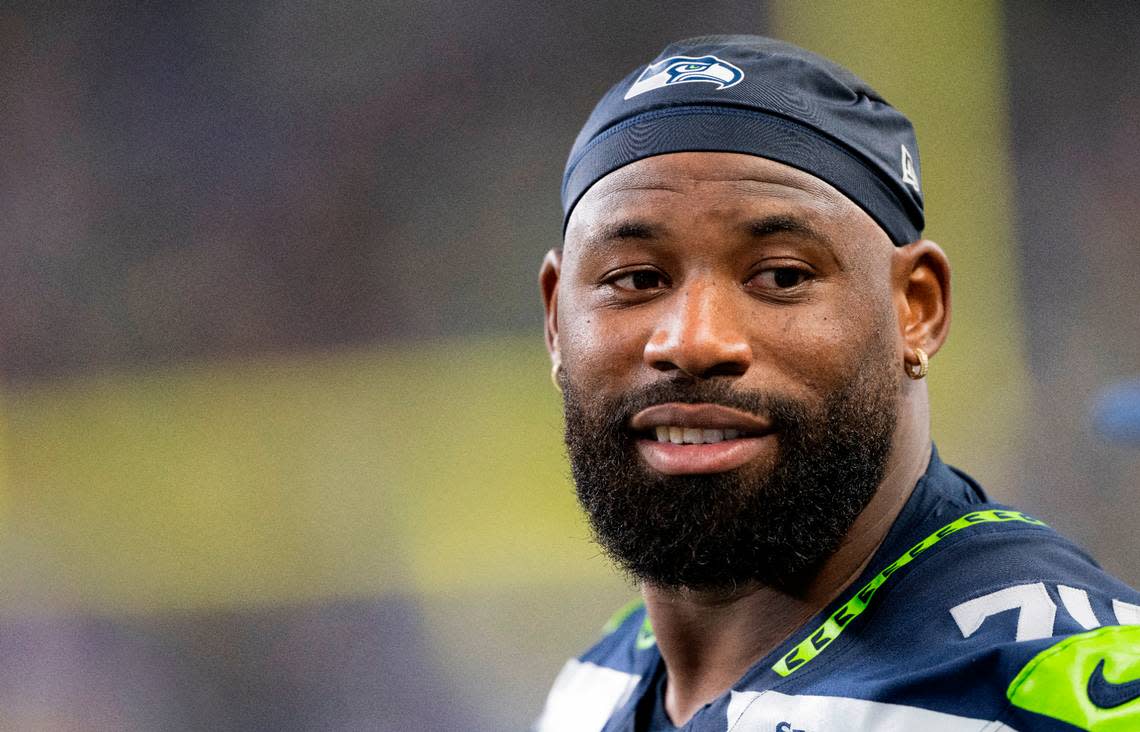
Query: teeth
693	435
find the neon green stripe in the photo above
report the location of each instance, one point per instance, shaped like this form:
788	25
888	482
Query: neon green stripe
619	617
822	637
646	638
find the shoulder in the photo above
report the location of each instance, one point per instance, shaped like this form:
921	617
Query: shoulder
948	576
1001	617
994	559
1035	615
590	689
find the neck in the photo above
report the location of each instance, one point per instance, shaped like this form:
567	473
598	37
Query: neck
708	640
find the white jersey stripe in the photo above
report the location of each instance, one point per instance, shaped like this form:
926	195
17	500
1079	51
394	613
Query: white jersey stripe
756	711
584	696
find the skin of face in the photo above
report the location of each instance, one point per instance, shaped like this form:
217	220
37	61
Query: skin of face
726	266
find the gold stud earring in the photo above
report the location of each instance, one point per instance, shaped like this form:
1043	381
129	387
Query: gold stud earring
918	370
557	367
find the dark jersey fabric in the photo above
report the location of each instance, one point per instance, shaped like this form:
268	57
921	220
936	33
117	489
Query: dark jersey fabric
906	654
651	715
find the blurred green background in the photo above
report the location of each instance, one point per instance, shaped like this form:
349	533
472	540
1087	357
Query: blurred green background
279	446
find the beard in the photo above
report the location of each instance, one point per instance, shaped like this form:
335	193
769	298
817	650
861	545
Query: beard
773	524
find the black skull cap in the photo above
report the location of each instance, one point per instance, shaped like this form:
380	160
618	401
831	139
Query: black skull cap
760	96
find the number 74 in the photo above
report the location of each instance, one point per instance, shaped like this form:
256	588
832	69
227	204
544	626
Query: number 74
1036	610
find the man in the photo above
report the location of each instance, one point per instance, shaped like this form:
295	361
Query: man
740	320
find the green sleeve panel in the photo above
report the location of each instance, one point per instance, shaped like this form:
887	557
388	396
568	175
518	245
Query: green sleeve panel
1090	680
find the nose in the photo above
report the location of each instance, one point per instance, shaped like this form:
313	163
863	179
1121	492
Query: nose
702	333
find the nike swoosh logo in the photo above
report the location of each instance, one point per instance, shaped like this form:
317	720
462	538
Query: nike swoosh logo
1107	695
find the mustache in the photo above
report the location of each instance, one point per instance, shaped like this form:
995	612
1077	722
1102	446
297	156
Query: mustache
780	410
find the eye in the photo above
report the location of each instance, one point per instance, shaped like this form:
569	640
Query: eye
639	280
781	278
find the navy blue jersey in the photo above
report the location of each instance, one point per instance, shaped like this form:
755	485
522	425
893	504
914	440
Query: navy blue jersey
970	616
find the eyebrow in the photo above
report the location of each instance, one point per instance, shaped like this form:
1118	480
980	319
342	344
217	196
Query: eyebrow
785	224
614	233
628	229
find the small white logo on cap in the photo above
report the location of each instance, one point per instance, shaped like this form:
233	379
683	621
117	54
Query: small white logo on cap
909	176
684	69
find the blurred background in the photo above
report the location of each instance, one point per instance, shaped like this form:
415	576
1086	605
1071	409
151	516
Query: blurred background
278	448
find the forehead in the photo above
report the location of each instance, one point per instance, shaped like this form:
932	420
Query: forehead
720	187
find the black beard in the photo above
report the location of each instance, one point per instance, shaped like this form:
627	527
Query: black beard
720	531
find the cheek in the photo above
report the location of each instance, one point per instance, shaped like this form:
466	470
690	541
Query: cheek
601	349
817	349
798	349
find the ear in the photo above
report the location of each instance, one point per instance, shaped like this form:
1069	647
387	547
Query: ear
548	276
921	277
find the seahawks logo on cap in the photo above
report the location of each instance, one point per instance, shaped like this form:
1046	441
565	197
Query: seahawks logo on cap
683	69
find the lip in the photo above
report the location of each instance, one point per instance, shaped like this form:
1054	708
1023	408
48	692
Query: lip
757	441
705	416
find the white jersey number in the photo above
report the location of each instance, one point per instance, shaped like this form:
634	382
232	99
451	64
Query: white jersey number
1036	611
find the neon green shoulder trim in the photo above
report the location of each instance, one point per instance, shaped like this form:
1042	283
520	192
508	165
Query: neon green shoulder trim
1091	680
619	617
646	638
822	637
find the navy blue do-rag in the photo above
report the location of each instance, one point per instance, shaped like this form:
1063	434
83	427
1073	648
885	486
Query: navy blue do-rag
759	96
